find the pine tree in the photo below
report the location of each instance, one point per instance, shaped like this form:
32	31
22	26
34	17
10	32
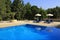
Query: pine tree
8	9
2	8
8	6
17	7
28	11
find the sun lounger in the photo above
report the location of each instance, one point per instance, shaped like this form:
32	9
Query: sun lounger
36	21
48	21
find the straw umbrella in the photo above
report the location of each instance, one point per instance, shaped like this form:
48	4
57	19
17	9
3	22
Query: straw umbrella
49	15
37	15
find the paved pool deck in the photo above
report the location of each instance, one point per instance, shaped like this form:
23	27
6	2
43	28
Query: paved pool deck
8	24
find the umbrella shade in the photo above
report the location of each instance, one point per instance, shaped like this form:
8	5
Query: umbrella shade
49	14
38	15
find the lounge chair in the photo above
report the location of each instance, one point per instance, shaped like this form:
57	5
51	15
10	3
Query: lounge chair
36	21
48	21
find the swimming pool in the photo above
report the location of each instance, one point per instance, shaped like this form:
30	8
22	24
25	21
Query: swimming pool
29	32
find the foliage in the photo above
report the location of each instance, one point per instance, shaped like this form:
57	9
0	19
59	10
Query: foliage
34	11
55	11
28	14
17	7
20	11
43	13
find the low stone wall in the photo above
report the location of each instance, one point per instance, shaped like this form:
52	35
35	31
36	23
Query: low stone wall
55	20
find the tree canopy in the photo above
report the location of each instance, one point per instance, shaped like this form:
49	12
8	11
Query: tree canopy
20	11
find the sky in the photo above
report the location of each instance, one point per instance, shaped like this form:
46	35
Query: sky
45	4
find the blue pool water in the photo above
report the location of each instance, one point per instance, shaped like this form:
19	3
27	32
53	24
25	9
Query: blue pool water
29	32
